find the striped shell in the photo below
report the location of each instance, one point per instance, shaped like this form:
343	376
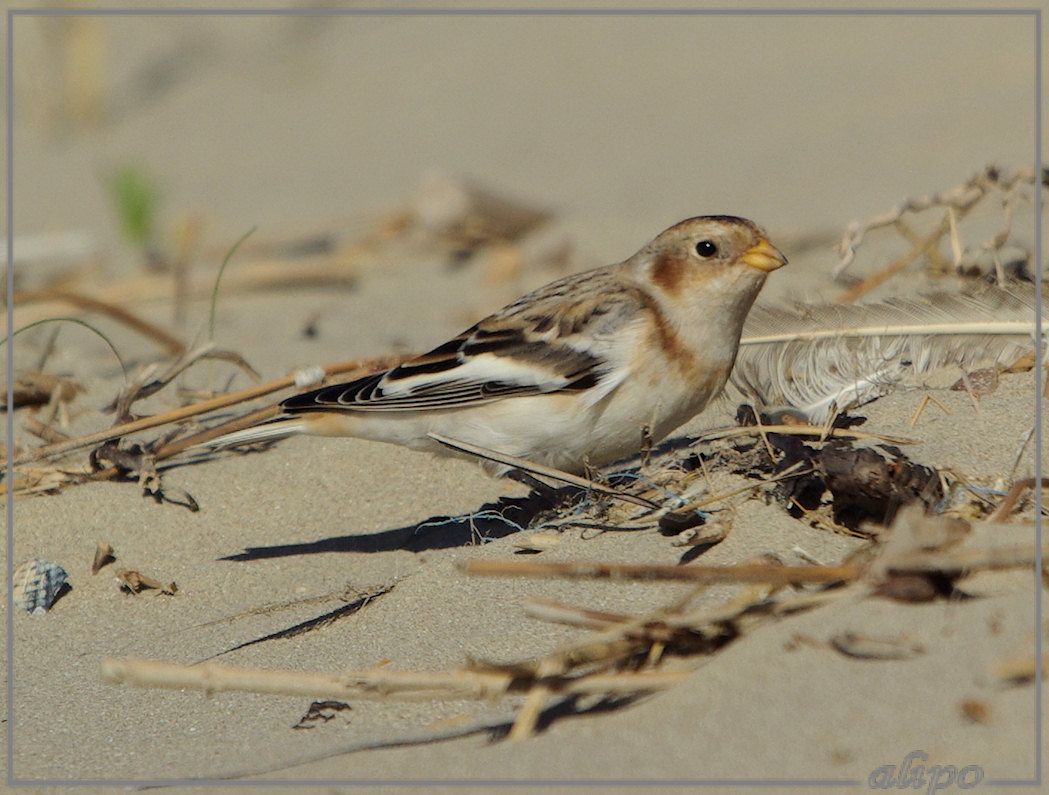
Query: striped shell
37	584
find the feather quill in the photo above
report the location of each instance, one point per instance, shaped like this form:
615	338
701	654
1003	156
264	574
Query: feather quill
821	359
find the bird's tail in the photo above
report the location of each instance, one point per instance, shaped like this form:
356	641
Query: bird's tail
280	428
314	423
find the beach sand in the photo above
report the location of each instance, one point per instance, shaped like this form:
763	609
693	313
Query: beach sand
323	128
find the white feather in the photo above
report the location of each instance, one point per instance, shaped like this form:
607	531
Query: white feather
824	359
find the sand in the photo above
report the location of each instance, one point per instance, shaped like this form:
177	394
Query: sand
620	126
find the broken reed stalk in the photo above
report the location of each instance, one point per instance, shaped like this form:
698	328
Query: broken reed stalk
528	715
607	647
196	409
739	573
372	684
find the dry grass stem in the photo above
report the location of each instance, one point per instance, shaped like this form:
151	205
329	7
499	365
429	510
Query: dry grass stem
926	399
560	613
37	388
528	716
794	470
148	383
749	606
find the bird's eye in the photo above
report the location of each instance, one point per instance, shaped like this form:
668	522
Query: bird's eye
706	249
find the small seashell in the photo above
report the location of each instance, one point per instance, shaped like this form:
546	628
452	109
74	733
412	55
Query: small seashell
870	647
539	542
978	382
37	584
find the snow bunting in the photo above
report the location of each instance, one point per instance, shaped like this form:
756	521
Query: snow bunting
578	373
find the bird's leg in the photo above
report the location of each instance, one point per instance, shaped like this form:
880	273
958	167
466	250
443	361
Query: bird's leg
551	494
646	445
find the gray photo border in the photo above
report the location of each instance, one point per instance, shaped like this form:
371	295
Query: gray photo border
13	14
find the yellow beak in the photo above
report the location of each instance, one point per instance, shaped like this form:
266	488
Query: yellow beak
764	256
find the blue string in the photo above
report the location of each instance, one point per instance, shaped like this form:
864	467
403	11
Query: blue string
471	518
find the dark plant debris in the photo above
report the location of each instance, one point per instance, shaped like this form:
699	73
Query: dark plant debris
135	582
321	712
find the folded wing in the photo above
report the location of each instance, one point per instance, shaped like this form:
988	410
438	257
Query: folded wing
542	345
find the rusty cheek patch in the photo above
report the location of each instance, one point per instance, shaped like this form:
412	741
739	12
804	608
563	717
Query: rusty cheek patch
668	272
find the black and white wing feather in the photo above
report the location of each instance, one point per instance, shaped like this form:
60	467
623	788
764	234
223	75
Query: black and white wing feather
546	342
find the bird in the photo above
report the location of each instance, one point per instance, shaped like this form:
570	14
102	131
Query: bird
576	374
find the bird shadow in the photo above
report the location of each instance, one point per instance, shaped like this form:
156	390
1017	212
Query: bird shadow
491	521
